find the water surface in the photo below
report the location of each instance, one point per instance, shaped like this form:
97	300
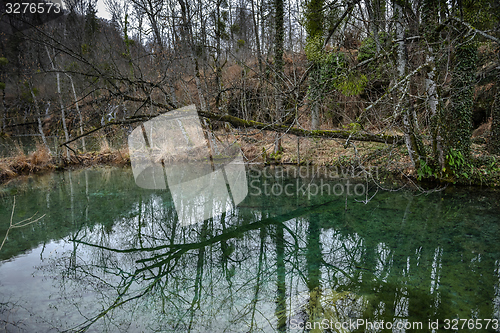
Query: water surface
109	256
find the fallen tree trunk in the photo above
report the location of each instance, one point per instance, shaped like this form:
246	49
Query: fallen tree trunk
327	134
238	122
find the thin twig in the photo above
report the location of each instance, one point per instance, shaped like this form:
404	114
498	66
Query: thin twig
19	224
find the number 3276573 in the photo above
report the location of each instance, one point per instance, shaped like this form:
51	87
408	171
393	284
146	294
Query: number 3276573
32	8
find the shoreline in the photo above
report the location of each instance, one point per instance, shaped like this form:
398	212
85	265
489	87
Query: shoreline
40	161
19	168
391	162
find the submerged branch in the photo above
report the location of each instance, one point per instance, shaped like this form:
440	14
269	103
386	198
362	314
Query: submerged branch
175	250
19	224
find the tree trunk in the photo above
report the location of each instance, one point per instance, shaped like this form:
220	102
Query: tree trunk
412	138
278	60
457	120
187	35
373	8
257	38
315	115
238	122
78	111
4	112
39	115
314	28
59	94
430	22
494	139
218	67
313	279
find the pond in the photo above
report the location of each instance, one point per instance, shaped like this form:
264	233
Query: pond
108	256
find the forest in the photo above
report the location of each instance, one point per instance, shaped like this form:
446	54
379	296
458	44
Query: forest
355	119
409	84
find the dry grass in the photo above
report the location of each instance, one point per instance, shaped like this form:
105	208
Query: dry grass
40	160
40	157
257	147
122	156
5	171
20	163
389	161
105	148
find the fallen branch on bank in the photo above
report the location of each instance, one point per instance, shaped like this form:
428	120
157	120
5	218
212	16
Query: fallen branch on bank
327	134
239	123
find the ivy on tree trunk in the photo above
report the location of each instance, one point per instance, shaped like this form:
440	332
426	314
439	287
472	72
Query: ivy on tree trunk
457	120
314	27
494	140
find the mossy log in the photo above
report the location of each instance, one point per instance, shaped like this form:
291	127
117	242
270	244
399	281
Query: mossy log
238	122
328	134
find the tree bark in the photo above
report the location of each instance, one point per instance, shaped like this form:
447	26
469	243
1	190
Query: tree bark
430	22
257	38
278	60
314	28
59	94
457	120
494	139
187	36
78	111
39	115
238	122
4	112
412	138
370	7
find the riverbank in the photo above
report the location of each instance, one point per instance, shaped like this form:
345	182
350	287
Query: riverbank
41	160
389	160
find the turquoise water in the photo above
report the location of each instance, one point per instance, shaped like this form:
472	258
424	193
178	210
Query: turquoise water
108	256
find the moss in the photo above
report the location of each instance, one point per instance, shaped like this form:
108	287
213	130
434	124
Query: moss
333	134
494	139
367	49
457	120
314	49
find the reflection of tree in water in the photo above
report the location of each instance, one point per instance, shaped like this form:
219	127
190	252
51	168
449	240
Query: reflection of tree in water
398	258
